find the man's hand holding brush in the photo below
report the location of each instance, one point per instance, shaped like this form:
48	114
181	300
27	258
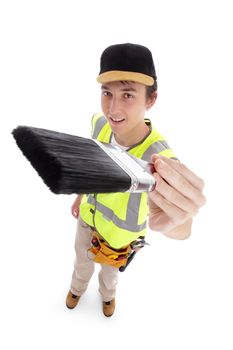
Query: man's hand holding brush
176	198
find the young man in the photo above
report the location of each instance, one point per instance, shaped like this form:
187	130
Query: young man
128	89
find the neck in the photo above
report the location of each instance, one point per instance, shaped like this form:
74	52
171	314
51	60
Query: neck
132	138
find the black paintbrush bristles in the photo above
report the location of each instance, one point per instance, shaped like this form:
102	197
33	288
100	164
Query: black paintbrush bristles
70	164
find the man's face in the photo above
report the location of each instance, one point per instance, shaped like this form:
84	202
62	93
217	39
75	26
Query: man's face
124	105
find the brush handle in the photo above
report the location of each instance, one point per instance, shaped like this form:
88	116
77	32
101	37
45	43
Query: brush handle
140	171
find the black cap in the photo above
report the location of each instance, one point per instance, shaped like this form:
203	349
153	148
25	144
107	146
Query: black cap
127	62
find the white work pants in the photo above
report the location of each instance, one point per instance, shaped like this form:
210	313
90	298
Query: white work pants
84	267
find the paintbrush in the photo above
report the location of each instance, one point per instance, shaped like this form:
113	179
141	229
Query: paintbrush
73	164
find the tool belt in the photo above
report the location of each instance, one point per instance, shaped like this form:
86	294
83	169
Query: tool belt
119	258
104	254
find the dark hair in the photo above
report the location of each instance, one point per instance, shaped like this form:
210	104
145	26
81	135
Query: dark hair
151	89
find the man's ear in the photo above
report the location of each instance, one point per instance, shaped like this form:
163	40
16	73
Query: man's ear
151	101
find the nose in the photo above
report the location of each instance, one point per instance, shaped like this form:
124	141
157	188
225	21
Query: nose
114	106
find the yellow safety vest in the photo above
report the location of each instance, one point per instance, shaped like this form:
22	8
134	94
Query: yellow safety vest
120	218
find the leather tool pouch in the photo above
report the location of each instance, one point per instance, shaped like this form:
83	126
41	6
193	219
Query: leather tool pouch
104	254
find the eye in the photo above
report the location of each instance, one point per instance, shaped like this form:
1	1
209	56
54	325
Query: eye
106	93
128	96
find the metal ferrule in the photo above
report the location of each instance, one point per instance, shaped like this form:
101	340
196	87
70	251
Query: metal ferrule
139	171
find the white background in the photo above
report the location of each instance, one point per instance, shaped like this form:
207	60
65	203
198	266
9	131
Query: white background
176	294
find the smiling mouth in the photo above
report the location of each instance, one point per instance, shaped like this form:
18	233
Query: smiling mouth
117	120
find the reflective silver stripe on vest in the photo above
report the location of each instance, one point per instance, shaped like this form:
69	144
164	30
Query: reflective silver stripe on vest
130	224
98	126
156	147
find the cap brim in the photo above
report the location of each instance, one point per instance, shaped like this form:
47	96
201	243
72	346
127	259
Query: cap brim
116	75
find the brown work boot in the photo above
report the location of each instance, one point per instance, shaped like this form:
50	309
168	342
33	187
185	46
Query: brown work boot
72	300
109	307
